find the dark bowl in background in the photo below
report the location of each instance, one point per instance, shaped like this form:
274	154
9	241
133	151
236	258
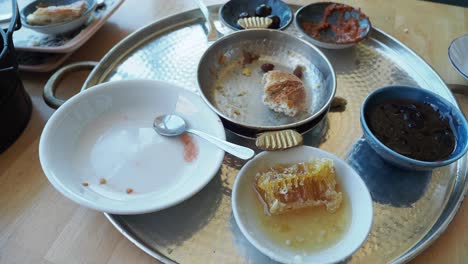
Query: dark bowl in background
229	12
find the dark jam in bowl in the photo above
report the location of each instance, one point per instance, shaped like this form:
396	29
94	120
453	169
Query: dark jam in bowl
414	129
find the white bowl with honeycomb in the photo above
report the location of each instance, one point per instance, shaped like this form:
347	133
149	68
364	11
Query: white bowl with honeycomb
302	205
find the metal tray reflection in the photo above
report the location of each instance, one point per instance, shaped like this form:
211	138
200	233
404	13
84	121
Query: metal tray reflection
410	210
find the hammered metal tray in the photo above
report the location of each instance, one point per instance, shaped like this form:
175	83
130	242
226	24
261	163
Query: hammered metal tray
410	210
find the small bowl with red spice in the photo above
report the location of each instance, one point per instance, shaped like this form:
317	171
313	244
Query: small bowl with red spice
99	149
332	25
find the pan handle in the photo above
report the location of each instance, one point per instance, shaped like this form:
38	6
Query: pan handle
51	85
212	34
278	140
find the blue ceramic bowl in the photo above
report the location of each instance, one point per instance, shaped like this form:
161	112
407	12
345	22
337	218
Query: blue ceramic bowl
229	12
458	123
57	28
314	13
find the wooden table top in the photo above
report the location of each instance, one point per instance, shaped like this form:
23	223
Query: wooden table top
39	225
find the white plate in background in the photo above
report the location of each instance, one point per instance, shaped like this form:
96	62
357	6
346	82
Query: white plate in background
458	55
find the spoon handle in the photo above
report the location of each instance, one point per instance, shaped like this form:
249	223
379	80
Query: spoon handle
212	33
236	150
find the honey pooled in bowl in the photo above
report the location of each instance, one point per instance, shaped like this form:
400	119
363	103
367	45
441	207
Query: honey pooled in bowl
301	205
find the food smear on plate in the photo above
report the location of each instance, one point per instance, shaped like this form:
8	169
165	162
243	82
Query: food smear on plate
249	57
190	148
283	92
221	59
346	29
301	206
414	129
56	14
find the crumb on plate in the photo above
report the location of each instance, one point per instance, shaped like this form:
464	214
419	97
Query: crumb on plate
129	190
298	71
338	102
249	57
246	71
102	181
85	184
212	72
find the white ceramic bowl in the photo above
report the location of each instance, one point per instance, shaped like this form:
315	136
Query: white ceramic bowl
458	55
57	28
359	199
106	132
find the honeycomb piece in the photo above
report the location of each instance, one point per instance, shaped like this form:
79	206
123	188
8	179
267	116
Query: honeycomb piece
285	188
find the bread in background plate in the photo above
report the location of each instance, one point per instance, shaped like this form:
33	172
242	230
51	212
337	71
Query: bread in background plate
56	14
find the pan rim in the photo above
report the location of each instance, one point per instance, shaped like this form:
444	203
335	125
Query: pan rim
254	32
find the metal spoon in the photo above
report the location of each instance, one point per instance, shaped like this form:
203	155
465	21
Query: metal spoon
212	34
174	125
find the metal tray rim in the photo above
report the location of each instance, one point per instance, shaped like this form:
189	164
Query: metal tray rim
137	242
427	240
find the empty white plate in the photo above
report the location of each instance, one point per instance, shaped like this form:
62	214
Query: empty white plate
99	149
458	55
